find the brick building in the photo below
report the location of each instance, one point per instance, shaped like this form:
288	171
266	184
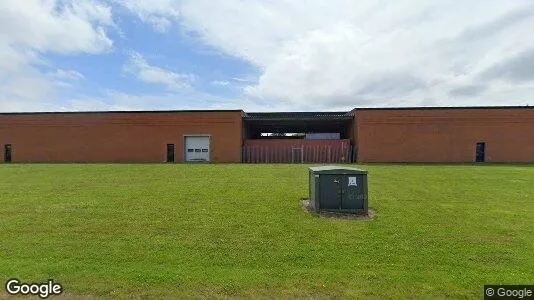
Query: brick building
446	134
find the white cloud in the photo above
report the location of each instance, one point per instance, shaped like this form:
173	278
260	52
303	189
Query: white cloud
319	55
65	78
242	80
158	13
180	100
341	54
160	24
55	26
67	75
32	28
139	67
221	82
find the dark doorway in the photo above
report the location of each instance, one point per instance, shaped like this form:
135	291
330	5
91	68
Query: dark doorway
480	155
7	153
170	152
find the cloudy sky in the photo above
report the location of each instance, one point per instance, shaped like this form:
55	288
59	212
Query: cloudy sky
268	55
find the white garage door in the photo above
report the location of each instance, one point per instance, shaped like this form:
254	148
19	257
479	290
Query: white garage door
197	148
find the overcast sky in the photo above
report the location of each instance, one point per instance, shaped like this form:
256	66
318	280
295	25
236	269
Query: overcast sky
270	55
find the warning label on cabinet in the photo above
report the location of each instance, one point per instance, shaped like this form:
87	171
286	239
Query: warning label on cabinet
352	181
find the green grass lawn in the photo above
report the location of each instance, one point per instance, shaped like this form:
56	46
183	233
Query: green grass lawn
161	231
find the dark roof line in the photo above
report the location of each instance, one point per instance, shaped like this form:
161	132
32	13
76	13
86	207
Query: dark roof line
121	112
299	115
251	115
443	107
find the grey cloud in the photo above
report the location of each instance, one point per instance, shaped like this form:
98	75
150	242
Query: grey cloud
427	101
519	68
393	84
495	26
376	92
347	101
467	90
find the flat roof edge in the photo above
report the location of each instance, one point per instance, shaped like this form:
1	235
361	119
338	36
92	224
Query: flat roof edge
268	115
444	107
121	112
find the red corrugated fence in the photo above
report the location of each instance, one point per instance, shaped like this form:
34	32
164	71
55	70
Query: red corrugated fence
297	151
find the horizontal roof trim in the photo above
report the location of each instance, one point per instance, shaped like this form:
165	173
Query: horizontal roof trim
444	107
120	112
298	115
271	115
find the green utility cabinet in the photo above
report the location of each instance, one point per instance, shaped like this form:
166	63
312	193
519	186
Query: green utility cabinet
338	189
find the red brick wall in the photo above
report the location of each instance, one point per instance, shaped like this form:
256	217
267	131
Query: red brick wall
118	137
433	135
444	135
